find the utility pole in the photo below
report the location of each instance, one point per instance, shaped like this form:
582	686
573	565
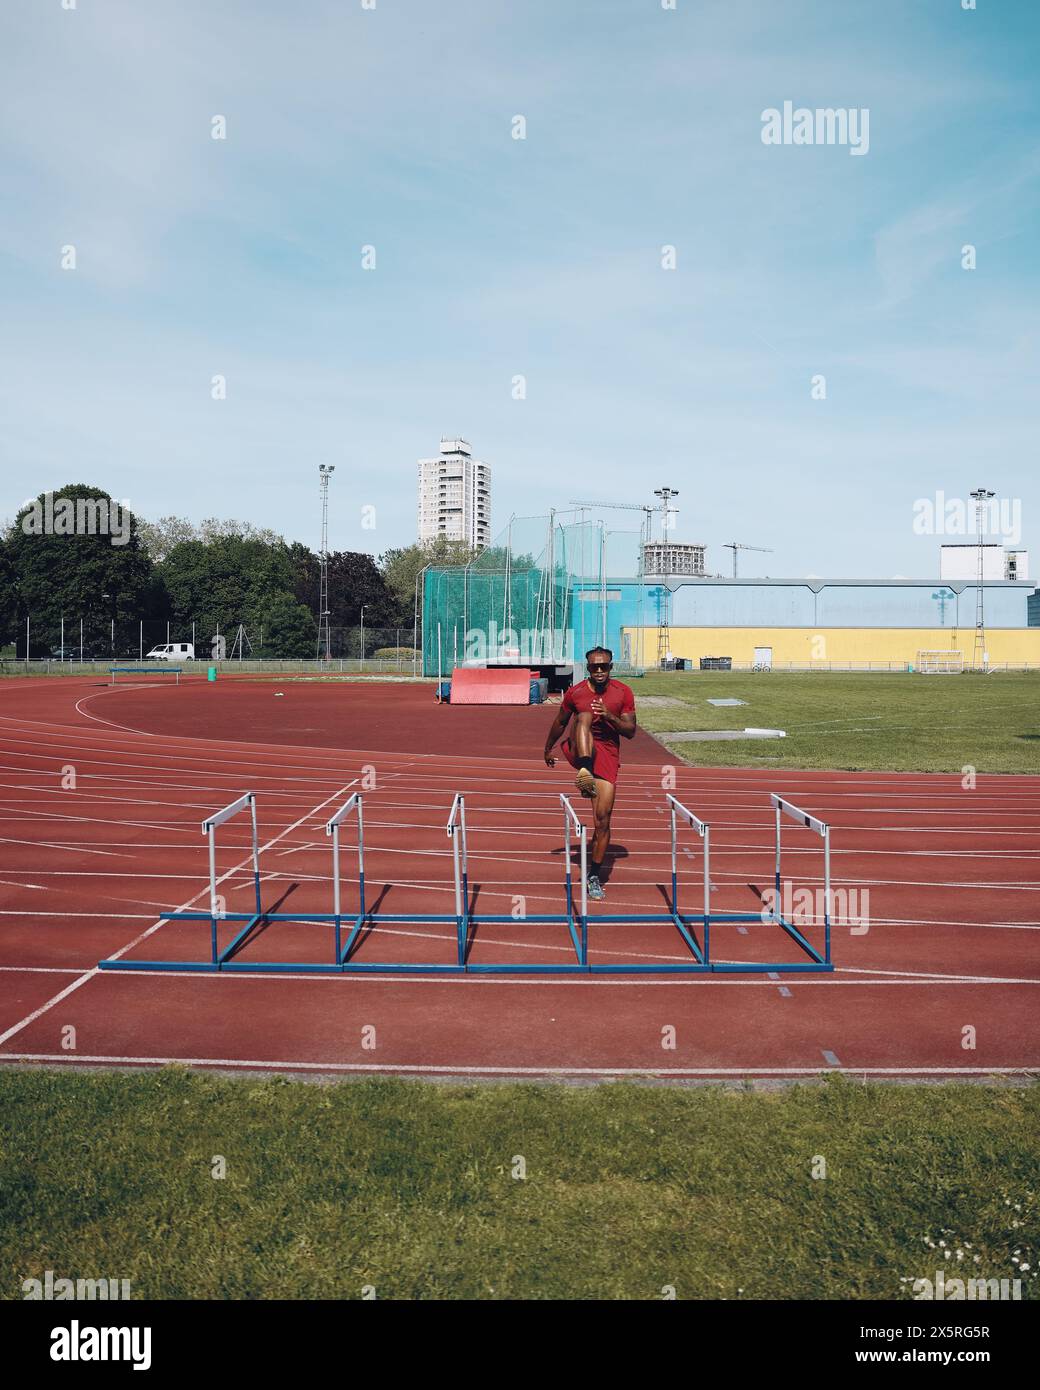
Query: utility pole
979	660
664	636
325	471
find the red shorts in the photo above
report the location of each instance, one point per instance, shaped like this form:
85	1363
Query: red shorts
606	759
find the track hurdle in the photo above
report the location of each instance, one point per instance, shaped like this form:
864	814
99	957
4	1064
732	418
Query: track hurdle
782	808
456	832
216	912
466	923
577	923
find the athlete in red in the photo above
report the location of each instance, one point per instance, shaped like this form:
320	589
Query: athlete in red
604	712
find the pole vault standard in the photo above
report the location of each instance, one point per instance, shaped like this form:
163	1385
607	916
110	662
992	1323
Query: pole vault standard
467	924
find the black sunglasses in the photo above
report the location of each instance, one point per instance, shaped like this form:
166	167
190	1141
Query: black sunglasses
600	665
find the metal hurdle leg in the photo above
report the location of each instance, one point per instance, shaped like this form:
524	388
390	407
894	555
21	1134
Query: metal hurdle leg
580	943
456	832
353	803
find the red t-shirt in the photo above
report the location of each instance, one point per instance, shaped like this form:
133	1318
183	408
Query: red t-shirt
617	698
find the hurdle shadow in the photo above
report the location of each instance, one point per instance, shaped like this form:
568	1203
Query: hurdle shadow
368	926
262	922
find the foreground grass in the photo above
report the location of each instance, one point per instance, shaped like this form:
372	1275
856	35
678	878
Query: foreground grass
409	1188
895	723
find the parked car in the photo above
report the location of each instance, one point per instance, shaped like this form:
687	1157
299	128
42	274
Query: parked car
172	651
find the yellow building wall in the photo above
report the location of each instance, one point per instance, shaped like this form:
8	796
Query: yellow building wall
804	646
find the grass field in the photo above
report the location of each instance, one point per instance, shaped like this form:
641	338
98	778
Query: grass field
896	723
409	1188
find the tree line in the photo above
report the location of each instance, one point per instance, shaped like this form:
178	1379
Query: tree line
76	555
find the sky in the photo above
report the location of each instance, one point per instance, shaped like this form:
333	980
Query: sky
798	267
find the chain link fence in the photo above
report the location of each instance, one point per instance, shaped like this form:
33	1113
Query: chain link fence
98	644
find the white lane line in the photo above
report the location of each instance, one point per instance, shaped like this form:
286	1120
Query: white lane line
89	974
72	849
578	981
1026	1069
41	969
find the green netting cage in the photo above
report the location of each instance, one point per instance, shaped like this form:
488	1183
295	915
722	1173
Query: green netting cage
543	592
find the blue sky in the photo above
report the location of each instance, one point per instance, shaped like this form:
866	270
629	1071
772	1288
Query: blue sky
542	257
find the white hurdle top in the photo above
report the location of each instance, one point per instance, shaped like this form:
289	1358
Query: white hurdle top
344	811
802	817
695	821
219	817
573	816
456	816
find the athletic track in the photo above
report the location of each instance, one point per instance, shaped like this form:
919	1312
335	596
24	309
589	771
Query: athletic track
950	945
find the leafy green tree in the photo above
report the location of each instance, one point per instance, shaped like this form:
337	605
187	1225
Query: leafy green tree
222	583
160	537
77	555
8	596
401	569
289	628
354	580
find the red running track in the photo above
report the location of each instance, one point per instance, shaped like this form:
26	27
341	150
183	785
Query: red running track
102	791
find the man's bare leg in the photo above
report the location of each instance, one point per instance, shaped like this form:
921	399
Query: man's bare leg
583	751
602	807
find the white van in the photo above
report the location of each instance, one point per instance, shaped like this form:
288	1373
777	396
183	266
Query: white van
172	651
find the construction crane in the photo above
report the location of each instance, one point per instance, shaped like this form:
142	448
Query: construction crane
735	546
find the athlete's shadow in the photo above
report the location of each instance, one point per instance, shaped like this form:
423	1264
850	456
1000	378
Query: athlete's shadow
616	851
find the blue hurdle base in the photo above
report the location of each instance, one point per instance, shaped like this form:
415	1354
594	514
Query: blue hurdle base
343	964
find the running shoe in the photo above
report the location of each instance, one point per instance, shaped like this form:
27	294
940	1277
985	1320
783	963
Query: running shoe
585	782
595	887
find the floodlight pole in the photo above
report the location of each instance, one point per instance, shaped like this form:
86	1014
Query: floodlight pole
663	635
325	471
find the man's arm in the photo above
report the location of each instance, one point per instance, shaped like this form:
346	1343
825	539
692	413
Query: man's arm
624	723
563	718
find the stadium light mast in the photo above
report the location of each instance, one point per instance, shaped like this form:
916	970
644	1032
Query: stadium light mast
979	660
665	494
325	472
664	640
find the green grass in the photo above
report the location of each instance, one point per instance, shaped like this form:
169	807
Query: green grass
898	723
408	1187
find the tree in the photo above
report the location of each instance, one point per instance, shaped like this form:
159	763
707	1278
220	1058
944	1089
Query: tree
76	554
222	583
160	537
8	596
354	580
289	628
401	569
